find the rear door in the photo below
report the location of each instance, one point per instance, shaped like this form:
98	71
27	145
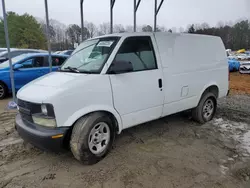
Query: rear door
138	95
39	66
57	61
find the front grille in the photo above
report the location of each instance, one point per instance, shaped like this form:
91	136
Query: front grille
26	117
26	109
32	107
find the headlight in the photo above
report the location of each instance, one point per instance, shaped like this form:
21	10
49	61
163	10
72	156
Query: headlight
44	109
44	121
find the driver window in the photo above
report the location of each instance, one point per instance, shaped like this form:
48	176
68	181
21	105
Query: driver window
139	51
27	64
35	62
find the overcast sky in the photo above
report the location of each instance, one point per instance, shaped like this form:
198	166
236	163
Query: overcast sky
174	13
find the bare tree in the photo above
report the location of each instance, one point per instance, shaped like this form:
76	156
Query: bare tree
104	29
161	29
60	30
129	28
181	30
220	24
118	28
205	25
92	29
173	29
190	28
147	28
52	32
74	33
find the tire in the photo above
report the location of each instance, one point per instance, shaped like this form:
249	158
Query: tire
90	142
199	114
3	91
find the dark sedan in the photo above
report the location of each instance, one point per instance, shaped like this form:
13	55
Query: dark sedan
16	52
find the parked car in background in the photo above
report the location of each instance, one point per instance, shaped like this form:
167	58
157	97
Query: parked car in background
242	56
234	65
66	52
16	52
245	68
27	67
3	49
57	52
231	56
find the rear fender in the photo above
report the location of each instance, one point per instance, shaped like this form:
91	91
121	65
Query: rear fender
204	89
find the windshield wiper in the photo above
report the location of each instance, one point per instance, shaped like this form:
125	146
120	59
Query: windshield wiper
87	72
73	69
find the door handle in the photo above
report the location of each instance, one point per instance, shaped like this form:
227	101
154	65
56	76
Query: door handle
160	83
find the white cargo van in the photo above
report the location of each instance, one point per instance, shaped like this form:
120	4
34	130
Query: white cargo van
117	81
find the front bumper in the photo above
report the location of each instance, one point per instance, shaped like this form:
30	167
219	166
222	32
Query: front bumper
41	137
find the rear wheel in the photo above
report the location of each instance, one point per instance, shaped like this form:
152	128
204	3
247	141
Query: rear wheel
3	91
92	138
206	108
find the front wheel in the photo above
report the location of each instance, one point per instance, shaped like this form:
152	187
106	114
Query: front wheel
206	108
92	138
3	91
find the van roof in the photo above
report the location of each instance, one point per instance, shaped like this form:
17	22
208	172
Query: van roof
128	34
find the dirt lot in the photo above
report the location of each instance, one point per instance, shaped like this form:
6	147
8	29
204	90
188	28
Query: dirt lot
173	152
240	83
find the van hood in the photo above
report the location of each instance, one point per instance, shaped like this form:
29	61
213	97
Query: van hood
43	88
57	79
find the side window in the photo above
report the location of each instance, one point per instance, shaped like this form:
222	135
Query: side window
35	62
38	62
138	51
28	64
58	61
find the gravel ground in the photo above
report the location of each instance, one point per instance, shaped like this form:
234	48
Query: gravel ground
173	152
235	107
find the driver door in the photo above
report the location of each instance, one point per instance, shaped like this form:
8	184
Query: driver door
138	95
29	71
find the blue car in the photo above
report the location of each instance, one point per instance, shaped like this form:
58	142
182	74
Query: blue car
27	67
234	65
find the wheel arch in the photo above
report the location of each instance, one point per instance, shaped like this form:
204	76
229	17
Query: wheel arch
111	112
2	82
6	88
212	87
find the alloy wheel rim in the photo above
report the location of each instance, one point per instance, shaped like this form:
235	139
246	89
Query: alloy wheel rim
1	91
208	109
99	138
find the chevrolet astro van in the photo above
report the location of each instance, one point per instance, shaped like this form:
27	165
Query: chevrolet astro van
117	81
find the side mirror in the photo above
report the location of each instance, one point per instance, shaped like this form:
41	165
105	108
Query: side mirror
17	66
118	67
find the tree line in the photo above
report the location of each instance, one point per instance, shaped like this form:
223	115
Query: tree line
26	31
235	36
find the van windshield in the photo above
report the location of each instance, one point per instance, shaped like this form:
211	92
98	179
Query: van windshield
90	56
